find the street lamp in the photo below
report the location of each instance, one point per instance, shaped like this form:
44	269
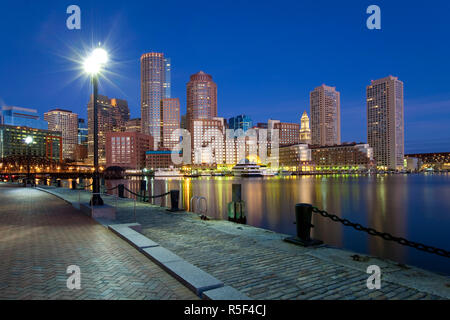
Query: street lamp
28	141
93	66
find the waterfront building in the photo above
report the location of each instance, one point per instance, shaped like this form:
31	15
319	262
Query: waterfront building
159	159
155	85
434	160
127	149
325	116
288	133
305	131
201	92
133	125
24	117
240	122
385	125
207	141
112	116
296	158
66	122
170	121
350	156
46	144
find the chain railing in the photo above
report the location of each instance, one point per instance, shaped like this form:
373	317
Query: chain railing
384	235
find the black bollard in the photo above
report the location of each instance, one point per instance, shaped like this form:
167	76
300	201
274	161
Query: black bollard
143	185
303	216
74	184
174	197
121	190
58	183
236	191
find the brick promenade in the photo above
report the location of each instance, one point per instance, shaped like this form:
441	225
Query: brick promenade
258	263
40	235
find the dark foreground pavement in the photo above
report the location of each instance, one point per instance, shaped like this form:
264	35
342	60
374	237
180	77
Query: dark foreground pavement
41	235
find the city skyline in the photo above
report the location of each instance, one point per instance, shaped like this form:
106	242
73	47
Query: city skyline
282	96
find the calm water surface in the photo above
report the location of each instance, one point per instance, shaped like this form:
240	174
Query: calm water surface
414	206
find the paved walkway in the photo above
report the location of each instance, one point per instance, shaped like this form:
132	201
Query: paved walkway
42	235
258	263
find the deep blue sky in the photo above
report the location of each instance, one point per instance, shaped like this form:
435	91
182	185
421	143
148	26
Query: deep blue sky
265	56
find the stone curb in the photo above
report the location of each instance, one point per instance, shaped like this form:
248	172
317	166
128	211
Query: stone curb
197	280
224	293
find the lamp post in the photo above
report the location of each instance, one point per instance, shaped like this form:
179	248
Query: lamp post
93	65
28	141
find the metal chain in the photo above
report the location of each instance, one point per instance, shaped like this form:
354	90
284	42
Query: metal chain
384	235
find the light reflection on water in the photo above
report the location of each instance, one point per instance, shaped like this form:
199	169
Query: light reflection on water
416	207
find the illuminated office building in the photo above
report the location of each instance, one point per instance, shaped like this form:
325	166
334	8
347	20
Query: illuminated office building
325	116
385	126
66	122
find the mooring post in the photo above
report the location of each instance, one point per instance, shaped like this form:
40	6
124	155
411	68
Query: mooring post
303	218
121	190
143	189
74	184
174	199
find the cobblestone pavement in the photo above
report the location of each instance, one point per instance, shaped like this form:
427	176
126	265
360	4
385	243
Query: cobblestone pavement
41	235
259	264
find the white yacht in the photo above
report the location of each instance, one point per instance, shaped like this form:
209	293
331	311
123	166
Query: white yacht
245	168
161	173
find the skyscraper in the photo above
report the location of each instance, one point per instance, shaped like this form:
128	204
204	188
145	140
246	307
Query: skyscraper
170	116
240	122
112	116
325	116
66	122
201	97
385	124
155	85
305	131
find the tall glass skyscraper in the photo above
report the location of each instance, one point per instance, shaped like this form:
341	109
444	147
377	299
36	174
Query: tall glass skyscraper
155	86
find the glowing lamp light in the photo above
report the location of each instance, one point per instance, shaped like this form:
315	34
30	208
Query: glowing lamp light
29	140
94	63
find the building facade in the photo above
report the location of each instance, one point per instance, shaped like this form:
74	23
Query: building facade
170	116
155	85
385	124
201	92
350	156
325	116
159	159
296	158
46	145
240	122
207	141
111	118
24	117
66	122
133	125
127	149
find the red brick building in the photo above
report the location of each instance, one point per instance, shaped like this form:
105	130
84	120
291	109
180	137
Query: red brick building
127	149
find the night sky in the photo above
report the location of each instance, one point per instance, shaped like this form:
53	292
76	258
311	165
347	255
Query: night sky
265	56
